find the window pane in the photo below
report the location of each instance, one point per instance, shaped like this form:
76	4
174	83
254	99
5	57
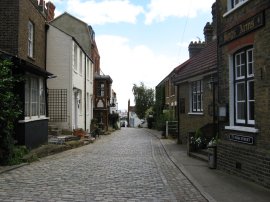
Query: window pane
194	106
241	110
194	87
26	98
41	98
251	90
237	59
197	96
198	86
251	110
34	97
75	61
30	38
250	62
240	90
240	65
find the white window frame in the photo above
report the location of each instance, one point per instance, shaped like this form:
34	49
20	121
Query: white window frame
30	39
245	79
87	103
34	95
196	96
87	68
233	5
75	57
80	62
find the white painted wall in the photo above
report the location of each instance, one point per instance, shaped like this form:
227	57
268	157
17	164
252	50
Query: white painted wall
134	120
60	62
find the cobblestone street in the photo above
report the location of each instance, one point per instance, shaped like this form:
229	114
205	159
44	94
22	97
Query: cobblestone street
128	165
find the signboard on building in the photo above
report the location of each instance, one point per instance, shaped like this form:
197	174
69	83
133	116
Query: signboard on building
241	139
241	29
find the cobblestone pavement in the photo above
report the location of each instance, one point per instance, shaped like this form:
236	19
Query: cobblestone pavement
129	165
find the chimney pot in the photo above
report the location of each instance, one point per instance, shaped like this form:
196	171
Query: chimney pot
195	47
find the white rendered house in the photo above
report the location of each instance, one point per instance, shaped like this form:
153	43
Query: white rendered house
70	103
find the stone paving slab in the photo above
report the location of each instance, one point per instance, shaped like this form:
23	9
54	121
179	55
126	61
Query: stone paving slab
128	165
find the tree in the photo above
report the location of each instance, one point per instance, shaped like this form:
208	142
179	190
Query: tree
9	110
143	98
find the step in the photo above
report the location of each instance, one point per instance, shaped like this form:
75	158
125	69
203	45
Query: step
199	156
55	132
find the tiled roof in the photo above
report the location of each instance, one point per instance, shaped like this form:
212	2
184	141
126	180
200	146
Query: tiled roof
203	62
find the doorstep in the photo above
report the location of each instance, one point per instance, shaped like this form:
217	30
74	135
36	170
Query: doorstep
199	155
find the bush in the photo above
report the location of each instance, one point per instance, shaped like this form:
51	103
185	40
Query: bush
10	110
18	153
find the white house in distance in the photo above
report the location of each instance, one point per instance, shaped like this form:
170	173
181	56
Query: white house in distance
70	103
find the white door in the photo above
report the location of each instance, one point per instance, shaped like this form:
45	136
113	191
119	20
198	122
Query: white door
75	109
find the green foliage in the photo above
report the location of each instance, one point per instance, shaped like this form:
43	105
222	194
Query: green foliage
18	153
160	101
162	118
198	133
144	99
9	111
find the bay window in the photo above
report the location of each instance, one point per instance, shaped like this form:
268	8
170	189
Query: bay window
35	106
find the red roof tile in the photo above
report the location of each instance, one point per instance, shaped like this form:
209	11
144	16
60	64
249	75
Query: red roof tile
203	62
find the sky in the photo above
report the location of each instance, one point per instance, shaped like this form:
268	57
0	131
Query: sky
140	41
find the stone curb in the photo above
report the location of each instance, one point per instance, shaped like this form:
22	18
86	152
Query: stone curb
188	175
184	171
5	169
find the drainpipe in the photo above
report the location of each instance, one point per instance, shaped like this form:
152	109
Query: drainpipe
85	104
178	114
45	63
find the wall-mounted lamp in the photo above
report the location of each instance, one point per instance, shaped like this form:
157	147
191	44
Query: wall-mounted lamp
51	76
212	82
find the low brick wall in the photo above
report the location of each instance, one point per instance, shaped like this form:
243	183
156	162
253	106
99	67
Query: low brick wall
244	161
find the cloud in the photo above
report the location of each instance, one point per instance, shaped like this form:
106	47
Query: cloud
115	11
129	65
159	10
107	11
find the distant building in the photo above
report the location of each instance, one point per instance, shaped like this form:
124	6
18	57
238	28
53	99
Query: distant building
113	103
132	119
102	88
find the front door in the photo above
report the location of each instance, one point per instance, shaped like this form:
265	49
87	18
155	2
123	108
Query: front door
75	109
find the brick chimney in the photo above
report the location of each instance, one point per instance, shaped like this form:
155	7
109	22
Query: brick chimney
214	19
41	6
208	32
195	47
50	11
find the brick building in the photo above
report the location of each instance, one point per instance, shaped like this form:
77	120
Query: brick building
23	37
196	93
244	83
102	87
170	97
